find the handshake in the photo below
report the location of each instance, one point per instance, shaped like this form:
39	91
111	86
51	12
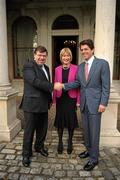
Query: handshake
58	86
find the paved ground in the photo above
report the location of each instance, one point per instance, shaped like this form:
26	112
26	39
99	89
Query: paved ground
56	167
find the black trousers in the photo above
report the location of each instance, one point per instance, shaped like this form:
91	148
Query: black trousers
34	122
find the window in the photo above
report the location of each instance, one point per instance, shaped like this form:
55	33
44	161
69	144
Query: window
65	22
116	70
24	41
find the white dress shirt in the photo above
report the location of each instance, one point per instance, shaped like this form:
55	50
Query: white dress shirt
90	61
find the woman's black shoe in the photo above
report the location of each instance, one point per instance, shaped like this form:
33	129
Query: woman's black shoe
70	147
26	161
60	148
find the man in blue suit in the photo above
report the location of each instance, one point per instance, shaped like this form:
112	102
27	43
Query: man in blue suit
94	83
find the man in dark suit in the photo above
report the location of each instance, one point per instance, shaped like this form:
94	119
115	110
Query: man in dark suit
93	78
35	103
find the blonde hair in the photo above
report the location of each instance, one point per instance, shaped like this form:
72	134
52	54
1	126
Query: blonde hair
65	50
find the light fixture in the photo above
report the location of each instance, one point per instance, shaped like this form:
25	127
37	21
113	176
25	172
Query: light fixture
70	43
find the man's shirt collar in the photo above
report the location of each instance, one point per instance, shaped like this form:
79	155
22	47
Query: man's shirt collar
89	61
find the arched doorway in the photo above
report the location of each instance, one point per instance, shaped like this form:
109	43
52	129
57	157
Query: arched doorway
60	42
63	24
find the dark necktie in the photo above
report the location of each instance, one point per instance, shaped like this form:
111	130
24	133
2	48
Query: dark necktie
45	72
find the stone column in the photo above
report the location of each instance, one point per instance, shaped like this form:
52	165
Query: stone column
104	48
105	30
9	124
3	46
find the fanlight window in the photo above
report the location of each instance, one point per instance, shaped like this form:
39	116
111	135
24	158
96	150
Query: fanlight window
65	22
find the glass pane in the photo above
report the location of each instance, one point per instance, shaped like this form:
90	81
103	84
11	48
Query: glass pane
24	41
116	70
21	56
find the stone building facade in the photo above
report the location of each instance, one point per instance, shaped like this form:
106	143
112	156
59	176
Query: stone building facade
56	24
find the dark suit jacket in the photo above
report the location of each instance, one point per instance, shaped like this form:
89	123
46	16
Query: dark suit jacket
96	89
37	88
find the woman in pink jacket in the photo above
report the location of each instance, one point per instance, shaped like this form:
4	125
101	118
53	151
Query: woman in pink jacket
66	101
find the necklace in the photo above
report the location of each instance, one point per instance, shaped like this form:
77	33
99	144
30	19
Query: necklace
65	67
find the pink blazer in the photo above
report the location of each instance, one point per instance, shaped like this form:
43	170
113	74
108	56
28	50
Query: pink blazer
73	93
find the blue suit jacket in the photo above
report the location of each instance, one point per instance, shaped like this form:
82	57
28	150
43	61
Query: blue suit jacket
96	89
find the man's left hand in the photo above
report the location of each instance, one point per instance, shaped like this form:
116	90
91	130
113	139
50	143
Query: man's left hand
101	108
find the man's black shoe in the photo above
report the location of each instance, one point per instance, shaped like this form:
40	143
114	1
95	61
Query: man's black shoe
84	154
90	166
42	151
26	161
